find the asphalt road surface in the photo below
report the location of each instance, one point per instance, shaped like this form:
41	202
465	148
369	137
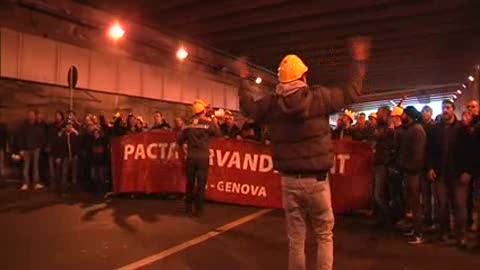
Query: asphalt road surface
43	231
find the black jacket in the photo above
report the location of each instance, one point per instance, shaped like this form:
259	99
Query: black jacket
98	152
3	136
53	138
31	136
361	133
197	136
449	152
230	132
384	142
70	145
411	148
298	119
163	125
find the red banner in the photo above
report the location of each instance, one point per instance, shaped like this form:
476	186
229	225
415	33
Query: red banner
240	172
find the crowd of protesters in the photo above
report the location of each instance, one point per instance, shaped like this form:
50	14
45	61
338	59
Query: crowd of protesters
426	176
69	153
425	171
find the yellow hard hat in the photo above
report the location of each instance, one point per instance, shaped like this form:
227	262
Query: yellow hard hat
350	114
291	68
199	106
397	111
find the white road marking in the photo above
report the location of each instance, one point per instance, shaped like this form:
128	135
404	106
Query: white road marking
195	241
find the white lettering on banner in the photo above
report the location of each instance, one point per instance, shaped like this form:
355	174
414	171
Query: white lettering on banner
140	153
228	187
221	160
250	162
150	154
244	189
339	161
172	151
220	186
163	147
234	160
211	157
266	163
129	149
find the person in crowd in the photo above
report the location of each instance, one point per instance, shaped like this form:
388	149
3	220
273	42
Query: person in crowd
105	126
159	121
87	120
410	161
248	132
229	128
43	160
53	149
179	124
3	149
119	127
361	120
470	124
344	124
84	159
472	108
383	137
297	115
132	125
70	144
467	118
95	120
360	131
371	126
197	137
98	153
438	119
429	197
31	138
72	115
372	120
141	124
251	131
395	179
449	168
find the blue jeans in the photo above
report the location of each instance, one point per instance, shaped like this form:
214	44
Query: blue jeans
381	193
306	201
31	160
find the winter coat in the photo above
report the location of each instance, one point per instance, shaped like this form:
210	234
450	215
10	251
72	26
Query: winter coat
31	136
449	151
197	136
411	148
53	138
298	119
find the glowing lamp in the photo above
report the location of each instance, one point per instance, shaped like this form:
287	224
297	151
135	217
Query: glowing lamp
471	78
258	80
459	91
182	54
116	31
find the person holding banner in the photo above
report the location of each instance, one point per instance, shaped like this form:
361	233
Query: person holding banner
197	137
298	118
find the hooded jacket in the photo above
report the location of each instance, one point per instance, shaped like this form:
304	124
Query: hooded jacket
298	120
